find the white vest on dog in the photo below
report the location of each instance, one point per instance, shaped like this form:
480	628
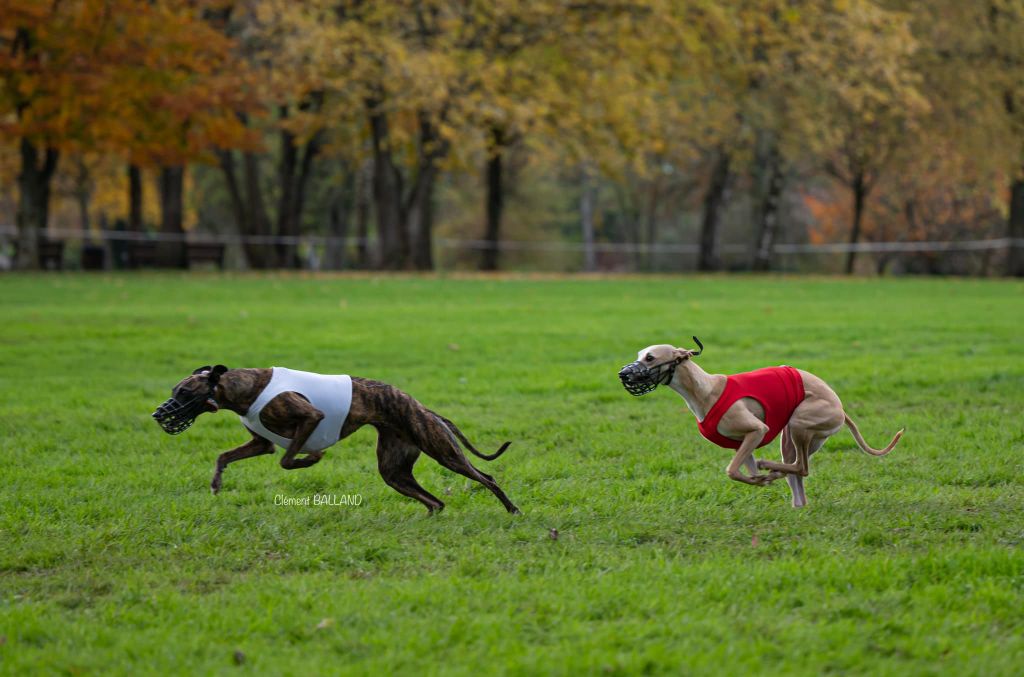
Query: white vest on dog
330	394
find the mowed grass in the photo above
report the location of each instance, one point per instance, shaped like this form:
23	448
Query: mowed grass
116	559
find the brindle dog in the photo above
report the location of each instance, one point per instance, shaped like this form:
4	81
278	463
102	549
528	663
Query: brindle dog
404	426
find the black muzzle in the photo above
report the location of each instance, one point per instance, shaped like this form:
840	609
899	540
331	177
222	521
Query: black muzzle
175	416
639	379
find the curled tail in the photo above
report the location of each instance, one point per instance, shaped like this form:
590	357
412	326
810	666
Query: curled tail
864	445
469	445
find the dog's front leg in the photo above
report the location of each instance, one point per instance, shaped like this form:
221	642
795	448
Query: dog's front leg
292	415
751	465
257	446
302	432
746	452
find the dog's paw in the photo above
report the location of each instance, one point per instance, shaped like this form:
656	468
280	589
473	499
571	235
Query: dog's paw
215	484
765	480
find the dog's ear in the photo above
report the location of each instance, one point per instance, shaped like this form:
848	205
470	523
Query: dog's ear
684	354
215	373
200	370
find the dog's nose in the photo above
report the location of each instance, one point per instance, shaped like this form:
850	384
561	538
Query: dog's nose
626	372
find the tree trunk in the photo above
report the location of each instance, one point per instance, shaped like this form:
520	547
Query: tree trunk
33	201
860	192
134	199
338	218
588	203
632	229
419	211
294	170
768	212
336	254
286	222
651	222
83	195
260	254
310	151
364	183
171	252
1015	230
495	202
713	201
421	220
393	239
248	207
227	165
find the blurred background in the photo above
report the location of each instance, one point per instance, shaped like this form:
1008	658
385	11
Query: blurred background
830	136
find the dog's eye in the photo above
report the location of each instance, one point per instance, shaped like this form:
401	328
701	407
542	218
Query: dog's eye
649	358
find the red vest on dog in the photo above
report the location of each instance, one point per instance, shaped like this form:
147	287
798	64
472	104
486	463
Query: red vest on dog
779	390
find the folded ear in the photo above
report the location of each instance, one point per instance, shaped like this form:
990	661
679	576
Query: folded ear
684	354
215	373
200	370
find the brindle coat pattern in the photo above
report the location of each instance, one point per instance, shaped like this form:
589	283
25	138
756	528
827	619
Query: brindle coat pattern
405	429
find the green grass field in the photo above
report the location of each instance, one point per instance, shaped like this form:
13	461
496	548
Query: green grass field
116	559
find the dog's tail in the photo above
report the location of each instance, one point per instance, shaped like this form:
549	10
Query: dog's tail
864	445
469	445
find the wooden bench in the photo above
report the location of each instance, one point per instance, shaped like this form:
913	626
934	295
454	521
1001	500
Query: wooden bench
51	254
141	253
206	252
94	257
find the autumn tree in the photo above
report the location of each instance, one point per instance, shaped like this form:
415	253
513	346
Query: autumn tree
56	62
635	100
972	59
279	75
187	99
1005	25
507	50
110	76
769	41
863	93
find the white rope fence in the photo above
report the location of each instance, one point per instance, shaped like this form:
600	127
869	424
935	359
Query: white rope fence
792	248
533	245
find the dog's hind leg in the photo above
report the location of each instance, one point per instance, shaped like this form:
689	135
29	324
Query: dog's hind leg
461	465
395	459
796	482
796	487
793	461
441	447
789	456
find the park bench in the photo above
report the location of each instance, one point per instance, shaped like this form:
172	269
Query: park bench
49	253
141	253
94	257
206	252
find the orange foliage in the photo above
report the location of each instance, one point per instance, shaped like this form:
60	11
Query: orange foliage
151	80
944	201
831	218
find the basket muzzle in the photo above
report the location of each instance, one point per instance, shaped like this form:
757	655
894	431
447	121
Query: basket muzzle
639	379
176	416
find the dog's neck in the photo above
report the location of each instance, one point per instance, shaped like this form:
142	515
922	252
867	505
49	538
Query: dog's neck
239	388
700	389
